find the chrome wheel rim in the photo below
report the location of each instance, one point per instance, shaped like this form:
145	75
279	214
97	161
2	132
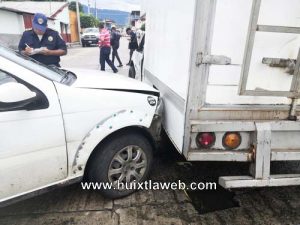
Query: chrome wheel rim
127	166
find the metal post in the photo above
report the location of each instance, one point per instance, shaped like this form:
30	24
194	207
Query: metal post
78	20
261	167
96	11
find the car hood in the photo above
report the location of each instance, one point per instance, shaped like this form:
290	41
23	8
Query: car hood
85	34
96	79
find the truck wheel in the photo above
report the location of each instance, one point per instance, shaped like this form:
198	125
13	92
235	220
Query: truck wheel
131	72
124	160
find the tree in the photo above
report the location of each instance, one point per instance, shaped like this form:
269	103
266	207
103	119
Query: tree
72	6
88	21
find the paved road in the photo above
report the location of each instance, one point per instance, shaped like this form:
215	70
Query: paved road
89	57
72	205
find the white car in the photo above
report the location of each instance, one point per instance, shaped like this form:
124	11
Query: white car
58	126
90	36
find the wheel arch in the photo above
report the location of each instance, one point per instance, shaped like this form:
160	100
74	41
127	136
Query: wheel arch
108	126
125	130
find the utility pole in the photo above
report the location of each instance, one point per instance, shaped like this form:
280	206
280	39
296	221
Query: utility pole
89	10
78	20
96	11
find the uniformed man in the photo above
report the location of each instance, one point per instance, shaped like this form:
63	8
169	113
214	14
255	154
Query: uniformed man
42	43
133	44
115	44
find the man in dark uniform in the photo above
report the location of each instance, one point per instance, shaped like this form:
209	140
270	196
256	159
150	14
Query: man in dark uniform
115	44
133	43
42	43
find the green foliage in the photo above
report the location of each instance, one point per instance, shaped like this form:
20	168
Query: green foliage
72	6
88	21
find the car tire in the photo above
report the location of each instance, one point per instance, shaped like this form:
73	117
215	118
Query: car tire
126	158
131	72
83	45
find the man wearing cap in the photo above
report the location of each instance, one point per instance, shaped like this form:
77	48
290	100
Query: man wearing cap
42	43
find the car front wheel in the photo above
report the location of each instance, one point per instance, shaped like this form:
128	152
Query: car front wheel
121	162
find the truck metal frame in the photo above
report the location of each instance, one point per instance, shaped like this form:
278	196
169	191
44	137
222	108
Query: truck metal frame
253	28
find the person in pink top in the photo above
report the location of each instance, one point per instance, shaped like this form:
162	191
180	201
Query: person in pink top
105	48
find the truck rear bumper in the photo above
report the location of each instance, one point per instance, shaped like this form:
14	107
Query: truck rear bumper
242	156
284	141
269	141
248	181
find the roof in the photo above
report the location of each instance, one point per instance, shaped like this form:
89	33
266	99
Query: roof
13	10
50	9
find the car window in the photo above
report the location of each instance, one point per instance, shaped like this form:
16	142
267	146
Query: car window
5	78
48	72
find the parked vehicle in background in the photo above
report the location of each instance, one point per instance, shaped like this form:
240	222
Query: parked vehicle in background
59	125
229	74
90	36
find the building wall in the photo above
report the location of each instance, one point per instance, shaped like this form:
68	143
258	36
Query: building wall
12	27
11	23
73	26
28	21
62	24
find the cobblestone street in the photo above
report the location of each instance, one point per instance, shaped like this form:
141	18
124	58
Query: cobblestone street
72	205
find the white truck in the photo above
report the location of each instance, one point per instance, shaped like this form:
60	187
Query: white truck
228	72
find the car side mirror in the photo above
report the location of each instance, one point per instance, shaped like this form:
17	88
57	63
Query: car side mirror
15	96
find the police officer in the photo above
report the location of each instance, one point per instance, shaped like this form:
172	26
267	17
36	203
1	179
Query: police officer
42	43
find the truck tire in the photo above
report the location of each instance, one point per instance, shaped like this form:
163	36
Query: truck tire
131	72
125	159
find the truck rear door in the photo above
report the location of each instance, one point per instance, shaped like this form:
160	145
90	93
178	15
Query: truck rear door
272	56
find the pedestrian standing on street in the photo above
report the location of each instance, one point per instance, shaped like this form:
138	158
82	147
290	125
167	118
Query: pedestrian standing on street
104	45
42	43
115	44
133	44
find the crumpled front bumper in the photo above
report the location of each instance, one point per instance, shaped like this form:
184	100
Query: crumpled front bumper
155	128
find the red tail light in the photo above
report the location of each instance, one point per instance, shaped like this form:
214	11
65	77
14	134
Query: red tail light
205	140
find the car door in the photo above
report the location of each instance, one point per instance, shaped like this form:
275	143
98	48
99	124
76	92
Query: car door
32	139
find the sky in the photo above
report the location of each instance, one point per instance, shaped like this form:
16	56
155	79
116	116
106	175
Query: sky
123	5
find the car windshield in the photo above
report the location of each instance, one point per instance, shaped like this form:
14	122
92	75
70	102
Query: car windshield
91	30
49	72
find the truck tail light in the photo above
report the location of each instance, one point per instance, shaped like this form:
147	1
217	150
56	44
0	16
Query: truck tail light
205	140
232	140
